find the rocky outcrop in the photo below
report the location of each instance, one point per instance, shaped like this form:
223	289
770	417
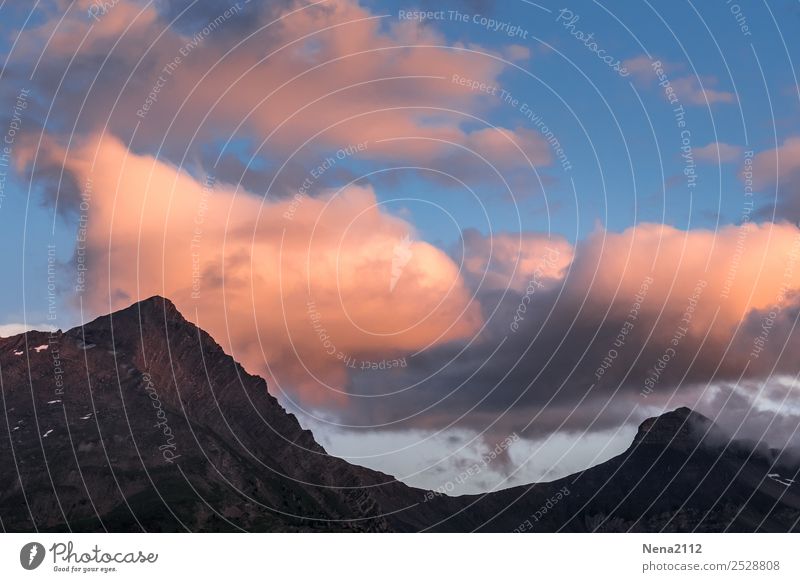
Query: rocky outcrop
681	428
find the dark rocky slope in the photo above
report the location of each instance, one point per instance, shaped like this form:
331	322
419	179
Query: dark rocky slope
139	421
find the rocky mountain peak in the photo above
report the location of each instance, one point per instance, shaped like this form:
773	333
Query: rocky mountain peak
155	306
677	428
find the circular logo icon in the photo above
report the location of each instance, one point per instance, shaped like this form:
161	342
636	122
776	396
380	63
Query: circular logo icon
31	555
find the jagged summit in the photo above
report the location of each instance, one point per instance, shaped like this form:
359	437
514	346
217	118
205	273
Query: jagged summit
155	305
154	322
151	312
678	428
155	302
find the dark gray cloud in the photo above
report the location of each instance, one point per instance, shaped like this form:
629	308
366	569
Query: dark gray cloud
566	369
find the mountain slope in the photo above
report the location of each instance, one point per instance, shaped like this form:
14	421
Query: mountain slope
138	421
158	429
679	474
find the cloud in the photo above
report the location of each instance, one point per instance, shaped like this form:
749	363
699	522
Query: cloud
757	411
641	67
689	89
299	285
517	52
338	75
776	171
515	340
463	461
779	165
718	153
640	321
701	91
505	261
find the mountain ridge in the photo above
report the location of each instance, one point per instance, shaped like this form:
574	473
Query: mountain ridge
156	428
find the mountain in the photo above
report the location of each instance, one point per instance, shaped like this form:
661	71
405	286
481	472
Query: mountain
138	421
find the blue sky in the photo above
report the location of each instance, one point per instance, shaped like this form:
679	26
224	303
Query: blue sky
608	125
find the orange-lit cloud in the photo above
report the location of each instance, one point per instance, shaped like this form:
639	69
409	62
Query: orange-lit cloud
324	77
306	285
585	349
506	261
311	278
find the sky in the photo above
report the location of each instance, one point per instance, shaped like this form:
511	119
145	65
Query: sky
446	233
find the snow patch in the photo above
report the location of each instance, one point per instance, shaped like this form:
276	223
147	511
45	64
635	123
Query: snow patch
778	479
41	347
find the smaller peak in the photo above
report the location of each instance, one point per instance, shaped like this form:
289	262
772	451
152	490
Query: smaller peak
684	412
680	427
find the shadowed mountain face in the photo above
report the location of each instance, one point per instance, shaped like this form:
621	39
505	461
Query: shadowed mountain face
139	421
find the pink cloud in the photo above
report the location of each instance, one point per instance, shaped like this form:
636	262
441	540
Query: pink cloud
326	76
739	278
718	152
517	52
701	91
301	284
507	261
690	89
778	165
640	67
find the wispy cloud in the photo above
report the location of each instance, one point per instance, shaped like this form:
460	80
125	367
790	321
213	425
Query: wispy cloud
690	89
